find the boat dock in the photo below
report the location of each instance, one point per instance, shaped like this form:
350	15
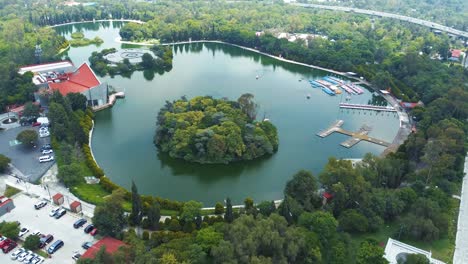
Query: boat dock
356	137
368	107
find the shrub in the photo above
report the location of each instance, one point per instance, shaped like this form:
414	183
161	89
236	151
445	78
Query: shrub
145	235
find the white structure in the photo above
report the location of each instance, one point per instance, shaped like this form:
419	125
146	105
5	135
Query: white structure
396	250
63	66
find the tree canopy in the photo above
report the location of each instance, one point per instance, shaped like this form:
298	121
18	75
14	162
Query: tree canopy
209	130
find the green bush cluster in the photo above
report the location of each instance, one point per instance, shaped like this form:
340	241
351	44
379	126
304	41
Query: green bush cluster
209	130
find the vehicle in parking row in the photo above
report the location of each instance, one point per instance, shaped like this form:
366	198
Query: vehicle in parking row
88	228
93	232
79	223
46	147
46	158
37	260
8	247
47	151
87	245
29	257
36	233
44	134
5	242
55	246
44	240
23	255
60	213
54	211
23	231
76	256
40	204
16	253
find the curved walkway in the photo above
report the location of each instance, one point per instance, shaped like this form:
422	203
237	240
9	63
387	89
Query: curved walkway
389	15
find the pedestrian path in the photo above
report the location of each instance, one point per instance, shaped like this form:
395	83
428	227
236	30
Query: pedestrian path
461	243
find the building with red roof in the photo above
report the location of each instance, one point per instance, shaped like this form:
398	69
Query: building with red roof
111	244
84	81
6	205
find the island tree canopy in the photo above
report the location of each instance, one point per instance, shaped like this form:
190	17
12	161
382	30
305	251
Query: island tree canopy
209	130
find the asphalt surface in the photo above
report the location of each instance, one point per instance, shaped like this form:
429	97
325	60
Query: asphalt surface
461	243
24	158
40	220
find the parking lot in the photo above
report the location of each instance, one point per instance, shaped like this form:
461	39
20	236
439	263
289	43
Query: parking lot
24	158
40	220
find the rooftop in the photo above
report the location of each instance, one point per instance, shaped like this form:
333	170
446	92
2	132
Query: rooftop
66	66
78	81
111	244
395	250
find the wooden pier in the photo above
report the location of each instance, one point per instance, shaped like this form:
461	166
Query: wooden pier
368	107
356	137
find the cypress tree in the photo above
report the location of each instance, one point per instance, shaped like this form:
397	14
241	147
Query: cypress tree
154	215
136	206
228	216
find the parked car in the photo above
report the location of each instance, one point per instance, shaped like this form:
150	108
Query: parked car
93	232
23	231
60	213
36	233
76	256
2	238
16	253
35	124
88	228
87	245
7	248
43	129
28	258
55	246
44	134
47	151
46	146
79	223
23	255
5	242
44	240
54	211
46	158
40	204
37	260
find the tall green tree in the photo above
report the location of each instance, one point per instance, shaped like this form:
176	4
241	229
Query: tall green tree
154	216
370	252
31	110
4	161
228	216
27	137
109	216
32	242
248	105
137	214
303	188
9	229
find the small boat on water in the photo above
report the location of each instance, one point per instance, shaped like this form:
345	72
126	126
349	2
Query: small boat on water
308	96
256	77
328	91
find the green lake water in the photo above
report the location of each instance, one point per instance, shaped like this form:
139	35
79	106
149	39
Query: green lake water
122	139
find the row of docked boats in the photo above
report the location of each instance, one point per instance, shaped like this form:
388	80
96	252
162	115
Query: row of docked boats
332	86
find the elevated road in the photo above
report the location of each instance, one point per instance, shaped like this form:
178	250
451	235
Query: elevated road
418	21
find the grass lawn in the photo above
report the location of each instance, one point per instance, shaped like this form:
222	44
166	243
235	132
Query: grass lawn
91	193
441	249
10	191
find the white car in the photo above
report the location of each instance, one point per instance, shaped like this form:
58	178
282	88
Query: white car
40	204
54	211
23	255
43	129
28	258
36	233
17	252
46	158
37	260
47	151
23	231
2	238
44	134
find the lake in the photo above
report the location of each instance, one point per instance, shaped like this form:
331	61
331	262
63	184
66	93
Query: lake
123	137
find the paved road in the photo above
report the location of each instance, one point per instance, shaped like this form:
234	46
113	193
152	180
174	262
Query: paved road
390	15
461	243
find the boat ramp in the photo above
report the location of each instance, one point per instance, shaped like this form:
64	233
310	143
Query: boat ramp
356	137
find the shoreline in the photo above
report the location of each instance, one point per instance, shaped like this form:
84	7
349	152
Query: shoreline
99	20
402	129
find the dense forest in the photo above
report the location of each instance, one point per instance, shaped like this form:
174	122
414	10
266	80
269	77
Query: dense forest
209	130
406	195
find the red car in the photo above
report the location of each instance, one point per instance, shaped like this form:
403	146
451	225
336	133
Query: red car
5	242
9	247
93	232
36	124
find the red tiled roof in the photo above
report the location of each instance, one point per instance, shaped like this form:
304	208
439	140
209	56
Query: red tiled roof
79	81
327	195
57	196
75	204
111	244
456	53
